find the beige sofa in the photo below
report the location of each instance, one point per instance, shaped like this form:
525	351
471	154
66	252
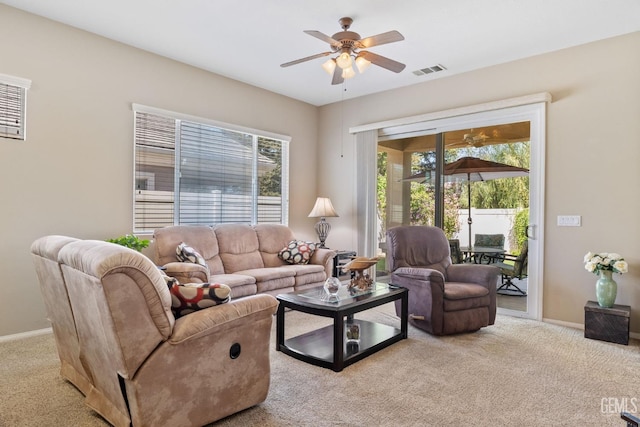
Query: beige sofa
142	366
241	256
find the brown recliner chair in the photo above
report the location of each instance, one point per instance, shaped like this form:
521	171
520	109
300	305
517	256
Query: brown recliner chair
444	298
148	368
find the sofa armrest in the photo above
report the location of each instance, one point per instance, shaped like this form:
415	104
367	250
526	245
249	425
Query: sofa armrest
219	318
324	256
187	272
484	275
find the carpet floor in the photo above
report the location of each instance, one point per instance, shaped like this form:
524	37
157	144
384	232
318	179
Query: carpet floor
517	372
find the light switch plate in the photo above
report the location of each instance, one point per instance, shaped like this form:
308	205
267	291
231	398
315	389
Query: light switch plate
569	220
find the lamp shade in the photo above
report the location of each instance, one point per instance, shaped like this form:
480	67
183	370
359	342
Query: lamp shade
362	64
347	73
344	60
323	208
329	66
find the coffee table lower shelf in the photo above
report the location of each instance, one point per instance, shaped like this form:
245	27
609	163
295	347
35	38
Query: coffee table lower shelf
316	347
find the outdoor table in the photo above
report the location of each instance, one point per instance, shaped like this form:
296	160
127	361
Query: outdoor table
478	254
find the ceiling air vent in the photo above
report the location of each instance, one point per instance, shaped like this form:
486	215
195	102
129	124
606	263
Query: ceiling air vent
429	70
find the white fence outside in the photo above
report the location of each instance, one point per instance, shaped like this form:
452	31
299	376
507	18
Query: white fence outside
486	221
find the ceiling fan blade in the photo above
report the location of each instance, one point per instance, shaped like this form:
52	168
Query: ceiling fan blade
308	58
383	61
337	76
323	37
384	38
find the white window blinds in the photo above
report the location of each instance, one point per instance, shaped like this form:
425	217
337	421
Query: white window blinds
190	172
155	142
13	100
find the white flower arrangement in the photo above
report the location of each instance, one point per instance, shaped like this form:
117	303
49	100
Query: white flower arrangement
595	263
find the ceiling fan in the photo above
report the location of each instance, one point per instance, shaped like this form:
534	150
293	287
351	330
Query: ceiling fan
350	47
475	140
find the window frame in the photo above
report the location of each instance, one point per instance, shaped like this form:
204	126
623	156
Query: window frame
179	119
18	132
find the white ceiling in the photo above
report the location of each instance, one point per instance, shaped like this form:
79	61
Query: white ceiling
247	40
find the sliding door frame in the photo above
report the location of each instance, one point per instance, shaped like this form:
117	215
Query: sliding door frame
530	108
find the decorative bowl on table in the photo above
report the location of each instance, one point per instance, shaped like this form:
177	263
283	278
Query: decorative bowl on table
361	280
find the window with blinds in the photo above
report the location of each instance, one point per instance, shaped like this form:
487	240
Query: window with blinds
13	100
190	172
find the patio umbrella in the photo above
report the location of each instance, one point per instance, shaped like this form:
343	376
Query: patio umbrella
472	169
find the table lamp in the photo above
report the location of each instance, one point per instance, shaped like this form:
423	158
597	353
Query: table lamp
322	209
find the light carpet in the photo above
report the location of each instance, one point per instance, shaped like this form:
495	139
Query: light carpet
517	372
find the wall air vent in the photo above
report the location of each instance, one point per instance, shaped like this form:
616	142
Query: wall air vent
429	70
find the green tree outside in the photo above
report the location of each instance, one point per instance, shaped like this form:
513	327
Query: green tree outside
510	193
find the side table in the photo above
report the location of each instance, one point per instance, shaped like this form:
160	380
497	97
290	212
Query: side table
341	258
607	324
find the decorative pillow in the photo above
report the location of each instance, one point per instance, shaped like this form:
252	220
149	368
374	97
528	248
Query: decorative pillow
170	281
297	252
192	297
186	253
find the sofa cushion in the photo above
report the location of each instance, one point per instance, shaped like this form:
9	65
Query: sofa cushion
200	237
272	238
238	245
297	252
271	279
306	274
186	299
186	253
464	296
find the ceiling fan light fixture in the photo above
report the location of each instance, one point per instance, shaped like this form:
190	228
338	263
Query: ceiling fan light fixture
346	45
347	73
362	64
344	60
329	66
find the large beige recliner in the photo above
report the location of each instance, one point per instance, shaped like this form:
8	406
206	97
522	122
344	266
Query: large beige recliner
241	256
44	252
145	367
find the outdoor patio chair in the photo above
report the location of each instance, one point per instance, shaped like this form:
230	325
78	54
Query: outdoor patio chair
488	241
456	253
512	267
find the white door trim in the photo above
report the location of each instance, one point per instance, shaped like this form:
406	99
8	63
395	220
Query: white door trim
499	112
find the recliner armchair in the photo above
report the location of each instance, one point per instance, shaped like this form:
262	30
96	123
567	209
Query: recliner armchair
44	252
147	368
444	298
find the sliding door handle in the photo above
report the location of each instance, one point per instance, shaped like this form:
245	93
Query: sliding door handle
529	231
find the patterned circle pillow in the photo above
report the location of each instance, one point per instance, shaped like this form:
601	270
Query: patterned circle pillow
186	253
297	252
192	297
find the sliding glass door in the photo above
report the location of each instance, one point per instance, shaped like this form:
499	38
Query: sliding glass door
413	186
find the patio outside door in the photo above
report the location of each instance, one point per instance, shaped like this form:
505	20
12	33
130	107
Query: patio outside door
432	144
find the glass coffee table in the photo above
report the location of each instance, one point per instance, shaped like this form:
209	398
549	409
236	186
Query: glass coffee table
348	339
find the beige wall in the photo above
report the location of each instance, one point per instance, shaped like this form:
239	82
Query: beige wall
593	151
74	173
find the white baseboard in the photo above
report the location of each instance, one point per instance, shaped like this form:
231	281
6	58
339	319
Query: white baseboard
22	335
562	323
580	326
